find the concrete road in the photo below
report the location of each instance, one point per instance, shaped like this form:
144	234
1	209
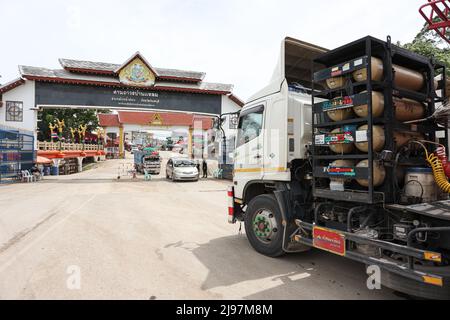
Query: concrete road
90	236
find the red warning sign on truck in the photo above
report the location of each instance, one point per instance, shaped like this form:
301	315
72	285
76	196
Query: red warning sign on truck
329	240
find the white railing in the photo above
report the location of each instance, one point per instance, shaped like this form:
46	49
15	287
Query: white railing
52	146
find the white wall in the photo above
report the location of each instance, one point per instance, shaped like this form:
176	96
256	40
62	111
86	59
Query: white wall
228	106
112	130
26	94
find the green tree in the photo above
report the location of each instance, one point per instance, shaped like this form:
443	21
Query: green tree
430	44
72	118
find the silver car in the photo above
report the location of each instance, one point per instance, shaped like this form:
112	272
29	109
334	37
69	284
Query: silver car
181	169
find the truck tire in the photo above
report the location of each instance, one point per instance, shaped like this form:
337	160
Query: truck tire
263	226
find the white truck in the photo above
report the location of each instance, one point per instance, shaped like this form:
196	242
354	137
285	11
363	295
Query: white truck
273	190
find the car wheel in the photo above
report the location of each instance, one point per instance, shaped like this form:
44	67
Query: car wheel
263	226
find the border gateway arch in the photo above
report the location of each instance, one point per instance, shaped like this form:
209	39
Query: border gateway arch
133	85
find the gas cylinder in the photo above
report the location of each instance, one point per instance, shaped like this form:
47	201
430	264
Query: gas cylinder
402	138
378	141
379	173
403	77
377	71
341	148
405	109
337	184
342	164
408	110
341	114
362	111
336	82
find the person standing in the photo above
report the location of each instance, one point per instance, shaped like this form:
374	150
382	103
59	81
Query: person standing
205	169
198	167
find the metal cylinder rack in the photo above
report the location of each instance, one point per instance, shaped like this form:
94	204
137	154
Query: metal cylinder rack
339	96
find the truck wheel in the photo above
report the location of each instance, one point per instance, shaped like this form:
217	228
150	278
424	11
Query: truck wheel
263	226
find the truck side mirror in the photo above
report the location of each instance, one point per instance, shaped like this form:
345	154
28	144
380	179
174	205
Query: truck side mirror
216	123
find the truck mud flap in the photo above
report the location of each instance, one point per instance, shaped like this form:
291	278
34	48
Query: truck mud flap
288	229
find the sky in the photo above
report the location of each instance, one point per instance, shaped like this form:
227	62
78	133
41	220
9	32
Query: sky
234	41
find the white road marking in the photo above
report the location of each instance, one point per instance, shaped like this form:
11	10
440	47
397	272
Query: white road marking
251	287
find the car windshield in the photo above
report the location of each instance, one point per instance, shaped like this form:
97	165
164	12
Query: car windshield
183	163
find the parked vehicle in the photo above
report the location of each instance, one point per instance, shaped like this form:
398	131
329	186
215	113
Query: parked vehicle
134	149
182	169
147	160
323	163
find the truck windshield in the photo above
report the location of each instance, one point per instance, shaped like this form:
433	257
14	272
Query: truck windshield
184	163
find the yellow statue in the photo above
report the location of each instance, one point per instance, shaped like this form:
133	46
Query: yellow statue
82	131
61	125
100	133
73	132
52	128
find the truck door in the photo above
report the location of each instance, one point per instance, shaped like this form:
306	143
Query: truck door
249	148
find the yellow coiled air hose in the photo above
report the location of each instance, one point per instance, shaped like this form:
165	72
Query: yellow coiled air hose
437	167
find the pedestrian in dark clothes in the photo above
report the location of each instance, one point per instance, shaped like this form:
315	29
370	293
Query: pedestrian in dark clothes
198	167
205	169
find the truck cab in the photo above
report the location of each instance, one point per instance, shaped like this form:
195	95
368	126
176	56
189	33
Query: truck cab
147	160
275	125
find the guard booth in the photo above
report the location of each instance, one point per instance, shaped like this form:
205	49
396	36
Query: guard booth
16	152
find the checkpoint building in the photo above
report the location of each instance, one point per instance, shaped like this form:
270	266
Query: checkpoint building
137	127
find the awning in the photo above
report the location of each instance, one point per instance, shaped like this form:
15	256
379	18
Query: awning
43	160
